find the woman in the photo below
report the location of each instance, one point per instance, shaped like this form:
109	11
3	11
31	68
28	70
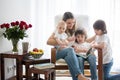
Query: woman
68	54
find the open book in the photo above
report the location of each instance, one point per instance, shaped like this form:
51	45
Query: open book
87	53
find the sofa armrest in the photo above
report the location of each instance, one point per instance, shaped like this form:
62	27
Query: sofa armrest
53	55
100	63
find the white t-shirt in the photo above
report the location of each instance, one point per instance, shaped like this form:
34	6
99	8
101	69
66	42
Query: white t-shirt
84	45
61	36
107	51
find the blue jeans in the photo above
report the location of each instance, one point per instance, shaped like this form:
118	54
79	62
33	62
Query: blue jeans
91	59
70	57
106	70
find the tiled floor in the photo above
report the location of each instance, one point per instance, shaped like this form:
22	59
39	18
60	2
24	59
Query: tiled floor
57	78
62	75
63	78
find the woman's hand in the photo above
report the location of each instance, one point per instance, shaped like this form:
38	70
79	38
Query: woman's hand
51	40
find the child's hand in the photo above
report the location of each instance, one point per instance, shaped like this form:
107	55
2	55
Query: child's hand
60	43
76	49
93	42
94	45
79	49
84	50
63	46
71	38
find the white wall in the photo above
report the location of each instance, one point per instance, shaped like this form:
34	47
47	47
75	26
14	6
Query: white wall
12	10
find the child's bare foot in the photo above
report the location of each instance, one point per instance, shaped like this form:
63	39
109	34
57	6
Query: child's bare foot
82	77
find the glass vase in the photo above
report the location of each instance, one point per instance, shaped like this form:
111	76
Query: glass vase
15	45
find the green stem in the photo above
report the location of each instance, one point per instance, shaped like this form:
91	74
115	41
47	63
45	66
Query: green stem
15	45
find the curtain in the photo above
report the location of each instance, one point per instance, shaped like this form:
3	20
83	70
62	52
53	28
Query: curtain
44	11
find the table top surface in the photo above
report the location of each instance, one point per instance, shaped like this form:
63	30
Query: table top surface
13	53
26	56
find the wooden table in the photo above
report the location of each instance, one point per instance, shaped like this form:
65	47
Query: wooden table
18	57
28	62
0	67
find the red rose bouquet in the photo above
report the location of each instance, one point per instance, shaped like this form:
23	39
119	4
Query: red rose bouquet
15	31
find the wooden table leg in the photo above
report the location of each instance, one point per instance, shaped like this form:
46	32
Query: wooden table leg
0	66
53	75
2	69
19	69
27	71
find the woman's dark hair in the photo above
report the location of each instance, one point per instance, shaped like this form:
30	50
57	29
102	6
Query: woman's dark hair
100	25
80	32
67	15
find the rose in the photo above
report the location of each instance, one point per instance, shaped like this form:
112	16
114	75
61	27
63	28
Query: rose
15	30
